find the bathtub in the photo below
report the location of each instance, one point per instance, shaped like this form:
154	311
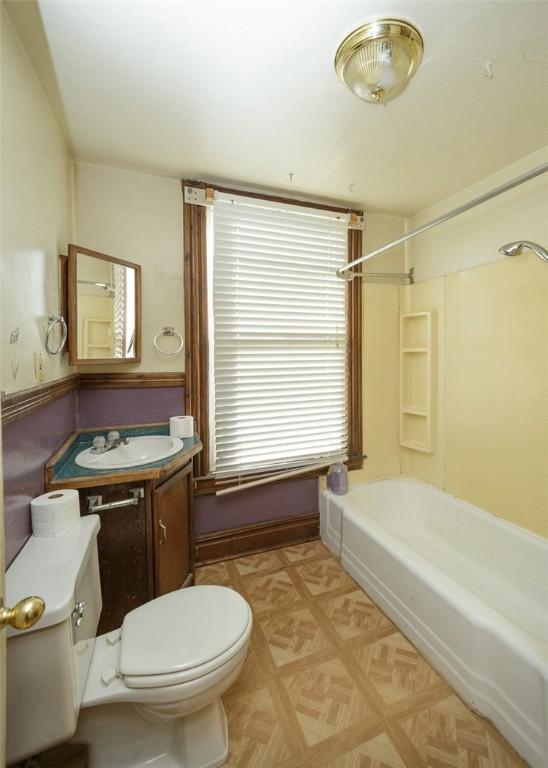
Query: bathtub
467	588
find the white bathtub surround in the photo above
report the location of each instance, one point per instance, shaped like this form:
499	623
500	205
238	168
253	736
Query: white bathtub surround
469	589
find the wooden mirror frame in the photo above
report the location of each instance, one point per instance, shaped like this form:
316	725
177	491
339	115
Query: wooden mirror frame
73	251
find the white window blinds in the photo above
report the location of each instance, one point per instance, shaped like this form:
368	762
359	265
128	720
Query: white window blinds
278	385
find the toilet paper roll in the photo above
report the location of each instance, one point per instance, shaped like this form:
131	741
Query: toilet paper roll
55	512
181	426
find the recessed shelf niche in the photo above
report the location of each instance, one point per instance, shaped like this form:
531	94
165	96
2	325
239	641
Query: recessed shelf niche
416	381
98	340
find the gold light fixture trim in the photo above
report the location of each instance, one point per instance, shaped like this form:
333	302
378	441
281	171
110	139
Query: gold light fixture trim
377	60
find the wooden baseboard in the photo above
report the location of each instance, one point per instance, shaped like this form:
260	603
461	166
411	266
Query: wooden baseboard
224	545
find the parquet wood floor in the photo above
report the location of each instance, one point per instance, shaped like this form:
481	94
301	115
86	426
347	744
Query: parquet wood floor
330	682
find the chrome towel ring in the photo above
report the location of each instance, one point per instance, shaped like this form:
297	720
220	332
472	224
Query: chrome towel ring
54	320
168	330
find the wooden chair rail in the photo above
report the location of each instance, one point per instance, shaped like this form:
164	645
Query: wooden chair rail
17	405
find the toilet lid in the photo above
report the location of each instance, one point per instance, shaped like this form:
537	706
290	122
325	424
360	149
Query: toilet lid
182	630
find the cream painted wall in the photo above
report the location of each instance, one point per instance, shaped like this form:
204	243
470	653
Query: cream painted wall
491	365
496	389
380	355
474	237
134	216
379	384
35	213
137	217
380	229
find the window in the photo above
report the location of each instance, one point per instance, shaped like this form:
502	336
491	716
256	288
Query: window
279	383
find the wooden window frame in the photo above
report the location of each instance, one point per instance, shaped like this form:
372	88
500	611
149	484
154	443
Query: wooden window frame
197	339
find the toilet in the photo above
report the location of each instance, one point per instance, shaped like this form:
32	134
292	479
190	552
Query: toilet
146	693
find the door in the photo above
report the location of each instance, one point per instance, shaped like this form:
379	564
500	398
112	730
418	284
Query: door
172	532
2	632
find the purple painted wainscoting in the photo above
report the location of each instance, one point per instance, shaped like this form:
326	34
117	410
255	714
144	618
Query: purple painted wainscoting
30	442
109	407
27	445
257	505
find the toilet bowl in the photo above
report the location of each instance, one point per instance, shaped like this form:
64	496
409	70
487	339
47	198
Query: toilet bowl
172	653
172	657
147	693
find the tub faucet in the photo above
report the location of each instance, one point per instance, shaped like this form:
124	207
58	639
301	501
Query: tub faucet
113	440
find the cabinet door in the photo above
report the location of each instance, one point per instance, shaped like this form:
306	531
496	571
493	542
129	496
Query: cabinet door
172	532
122	543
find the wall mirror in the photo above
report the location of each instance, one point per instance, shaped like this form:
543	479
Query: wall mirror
104	308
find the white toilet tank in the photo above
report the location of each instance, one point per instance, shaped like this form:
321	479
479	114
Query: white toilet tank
47	665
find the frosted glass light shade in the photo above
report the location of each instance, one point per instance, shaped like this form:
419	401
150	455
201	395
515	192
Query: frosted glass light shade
377	60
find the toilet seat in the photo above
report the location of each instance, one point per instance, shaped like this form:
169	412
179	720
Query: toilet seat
182	636
184	669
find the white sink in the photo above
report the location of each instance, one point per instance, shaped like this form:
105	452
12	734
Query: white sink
139	450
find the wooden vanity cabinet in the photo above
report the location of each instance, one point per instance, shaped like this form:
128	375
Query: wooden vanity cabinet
172	524
145	550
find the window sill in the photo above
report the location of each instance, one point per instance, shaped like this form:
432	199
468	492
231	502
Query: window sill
209	485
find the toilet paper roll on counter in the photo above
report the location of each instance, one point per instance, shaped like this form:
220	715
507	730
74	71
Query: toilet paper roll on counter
181	426
55	512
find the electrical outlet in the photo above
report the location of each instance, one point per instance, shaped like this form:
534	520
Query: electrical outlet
39	367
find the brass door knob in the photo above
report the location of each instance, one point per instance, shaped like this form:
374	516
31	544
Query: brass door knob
24	614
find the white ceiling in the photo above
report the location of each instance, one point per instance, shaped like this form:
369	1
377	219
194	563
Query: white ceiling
245	90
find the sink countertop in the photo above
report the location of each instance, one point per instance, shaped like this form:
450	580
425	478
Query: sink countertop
63	472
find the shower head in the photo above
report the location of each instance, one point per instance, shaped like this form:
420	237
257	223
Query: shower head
514	249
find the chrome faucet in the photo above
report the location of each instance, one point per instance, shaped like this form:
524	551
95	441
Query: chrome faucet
112	440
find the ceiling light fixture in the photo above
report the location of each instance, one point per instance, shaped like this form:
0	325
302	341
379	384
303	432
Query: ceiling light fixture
378	59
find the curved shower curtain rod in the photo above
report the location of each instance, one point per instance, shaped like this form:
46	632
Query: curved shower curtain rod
538	171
